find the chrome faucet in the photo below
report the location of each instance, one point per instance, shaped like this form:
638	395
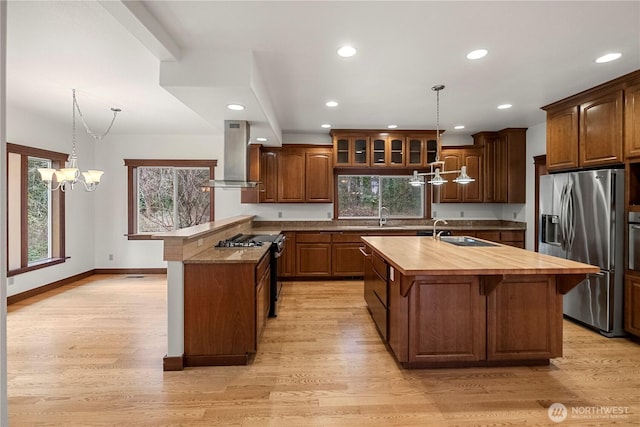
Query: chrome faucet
437	236
384	215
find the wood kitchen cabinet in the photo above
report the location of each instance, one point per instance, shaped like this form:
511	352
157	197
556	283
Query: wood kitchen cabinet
313	254
351	150
361	149
388	150
562	138
291	176
504	165
376	273
346	258
295	174
597	127
225	310
632	119
269	176
318	176
601	130
454	159
287	261
632	304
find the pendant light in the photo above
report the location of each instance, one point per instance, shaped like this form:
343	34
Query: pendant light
437	167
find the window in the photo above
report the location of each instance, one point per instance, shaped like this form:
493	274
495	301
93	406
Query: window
362	196
166	195
35	215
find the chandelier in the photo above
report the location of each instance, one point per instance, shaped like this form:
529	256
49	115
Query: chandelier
437	167
66	178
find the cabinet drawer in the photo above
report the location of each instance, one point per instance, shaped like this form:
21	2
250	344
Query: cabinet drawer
341	237
313	237
511	236
493	236
379	315
380	267
262	267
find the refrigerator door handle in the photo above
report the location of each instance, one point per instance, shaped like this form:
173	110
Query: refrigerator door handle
563	218
571	220
595	275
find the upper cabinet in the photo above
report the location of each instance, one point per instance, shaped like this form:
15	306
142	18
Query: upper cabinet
383	149
294	174
601	130
504	164
632	118
454	158
562	138
351	150
597	127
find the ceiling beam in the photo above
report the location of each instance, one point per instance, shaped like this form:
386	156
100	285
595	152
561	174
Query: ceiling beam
136	19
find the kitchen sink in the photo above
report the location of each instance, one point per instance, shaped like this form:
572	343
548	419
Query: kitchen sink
465	241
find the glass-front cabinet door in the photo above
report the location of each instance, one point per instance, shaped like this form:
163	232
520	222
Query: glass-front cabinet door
342	154
378	151
360	151
350	150
415	151
396	151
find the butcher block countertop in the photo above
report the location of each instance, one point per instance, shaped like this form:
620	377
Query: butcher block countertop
420	255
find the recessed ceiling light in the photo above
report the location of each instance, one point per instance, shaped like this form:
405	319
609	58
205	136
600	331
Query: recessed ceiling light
608	57
477	54
459	127
504	106
331	104
326	126
347	51
235	107
261	139
392	126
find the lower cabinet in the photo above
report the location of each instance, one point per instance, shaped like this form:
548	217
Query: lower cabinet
225	310
337	253
313	254
451	304
448	321
375	291
632	305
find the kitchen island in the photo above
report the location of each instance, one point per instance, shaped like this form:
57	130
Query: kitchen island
466	302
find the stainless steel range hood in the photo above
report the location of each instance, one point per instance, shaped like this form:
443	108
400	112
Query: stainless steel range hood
236	157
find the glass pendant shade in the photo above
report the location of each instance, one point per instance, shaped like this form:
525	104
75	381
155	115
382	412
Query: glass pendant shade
416	180
463	178
437	178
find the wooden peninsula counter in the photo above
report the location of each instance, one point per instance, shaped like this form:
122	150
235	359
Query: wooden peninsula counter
438	304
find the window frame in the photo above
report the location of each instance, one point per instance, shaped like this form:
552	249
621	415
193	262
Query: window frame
133	164
58	254
397	172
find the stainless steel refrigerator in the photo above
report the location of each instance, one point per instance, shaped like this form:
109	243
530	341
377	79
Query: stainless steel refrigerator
582	219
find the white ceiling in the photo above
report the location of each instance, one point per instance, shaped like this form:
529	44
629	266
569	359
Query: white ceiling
539	52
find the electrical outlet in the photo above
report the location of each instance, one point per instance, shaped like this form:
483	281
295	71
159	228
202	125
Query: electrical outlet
329	215
9	280
110	257
279	214
515	215
435	214
461	214
200	242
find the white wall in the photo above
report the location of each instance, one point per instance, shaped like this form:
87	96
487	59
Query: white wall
536	145
36	131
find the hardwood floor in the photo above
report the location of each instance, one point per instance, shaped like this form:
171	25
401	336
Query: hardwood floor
91	353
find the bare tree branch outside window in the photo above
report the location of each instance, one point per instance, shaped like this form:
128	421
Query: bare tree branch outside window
171	198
